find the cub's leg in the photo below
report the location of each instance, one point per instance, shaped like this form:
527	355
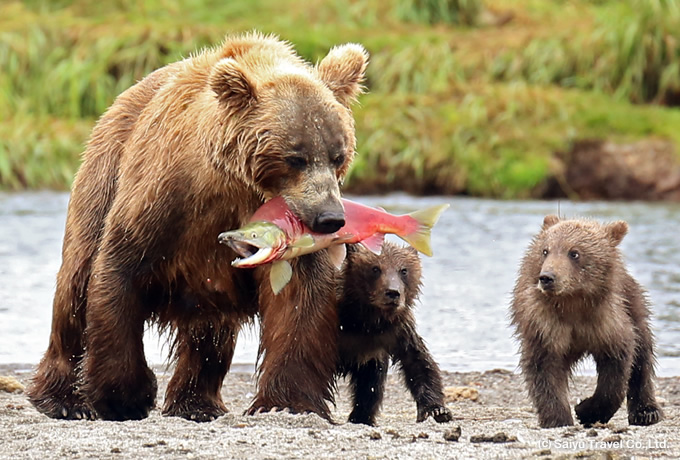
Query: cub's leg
642	406
547	378
368	387
423	379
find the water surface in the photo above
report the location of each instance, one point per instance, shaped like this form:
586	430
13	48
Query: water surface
463	313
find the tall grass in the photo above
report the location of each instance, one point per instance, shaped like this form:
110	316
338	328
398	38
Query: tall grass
633	52
463	12
451	108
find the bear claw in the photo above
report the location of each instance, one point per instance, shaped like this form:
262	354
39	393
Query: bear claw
441	414
645	416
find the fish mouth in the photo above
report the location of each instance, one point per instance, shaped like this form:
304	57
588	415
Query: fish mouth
249	253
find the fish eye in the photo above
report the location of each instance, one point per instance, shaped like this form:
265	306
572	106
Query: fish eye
573	254
253	235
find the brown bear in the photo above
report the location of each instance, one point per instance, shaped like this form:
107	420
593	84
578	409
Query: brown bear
574	297
193	149
377	294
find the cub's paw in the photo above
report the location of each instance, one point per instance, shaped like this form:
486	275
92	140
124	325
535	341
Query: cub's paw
361	418
591	411
441	414
645	415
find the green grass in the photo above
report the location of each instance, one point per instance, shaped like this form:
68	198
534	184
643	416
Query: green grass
456	104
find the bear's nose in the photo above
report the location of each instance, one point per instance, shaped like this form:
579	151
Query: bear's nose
328	222
547	280
392	294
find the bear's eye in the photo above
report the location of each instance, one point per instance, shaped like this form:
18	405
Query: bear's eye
545	252
296	162
403	272
573	254
376	270
338	161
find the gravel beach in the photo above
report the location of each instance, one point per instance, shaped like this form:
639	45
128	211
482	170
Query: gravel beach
499	424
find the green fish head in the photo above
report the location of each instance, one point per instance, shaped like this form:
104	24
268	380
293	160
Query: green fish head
256	243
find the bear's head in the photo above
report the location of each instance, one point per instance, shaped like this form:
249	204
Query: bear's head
291	122
575	257
390	281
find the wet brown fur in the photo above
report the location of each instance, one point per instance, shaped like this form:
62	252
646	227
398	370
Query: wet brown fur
574	297
190	151
377	323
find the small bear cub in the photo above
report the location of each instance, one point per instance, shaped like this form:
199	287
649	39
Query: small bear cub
574	297
377	294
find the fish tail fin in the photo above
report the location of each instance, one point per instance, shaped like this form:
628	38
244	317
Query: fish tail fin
426	218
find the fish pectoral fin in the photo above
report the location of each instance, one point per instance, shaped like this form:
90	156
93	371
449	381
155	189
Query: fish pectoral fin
279	275
338	253
305	241
374	243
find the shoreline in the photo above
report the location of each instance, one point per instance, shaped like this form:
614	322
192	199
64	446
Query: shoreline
502	407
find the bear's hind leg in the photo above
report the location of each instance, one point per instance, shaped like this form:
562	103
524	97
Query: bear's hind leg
203	352
368	387
641	403
54	388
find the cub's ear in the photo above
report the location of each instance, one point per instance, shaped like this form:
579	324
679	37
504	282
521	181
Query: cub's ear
549	221
231	86
342	70
616	231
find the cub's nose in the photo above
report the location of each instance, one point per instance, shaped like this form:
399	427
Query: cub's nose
328	222
546	280
392	294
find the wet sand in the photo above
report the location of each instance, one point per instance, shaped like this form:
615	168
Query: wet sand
502	407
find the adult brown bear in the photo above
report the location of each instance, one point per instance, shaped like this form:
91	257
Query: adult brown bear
194	149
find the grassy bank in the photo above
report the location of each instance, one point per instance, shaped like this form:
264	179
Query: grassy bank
465	96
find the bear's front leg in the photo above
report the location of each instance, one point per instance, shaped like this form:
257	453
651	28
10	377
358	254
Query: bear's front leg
299	335
117	381
204	348
612	380
423	378
368	387
547	379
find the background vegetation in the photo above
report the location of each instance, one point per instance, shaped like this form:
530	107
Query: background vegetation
466	96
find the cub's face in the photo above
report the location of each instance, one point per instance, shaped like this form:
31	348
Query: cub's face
575	257
389	281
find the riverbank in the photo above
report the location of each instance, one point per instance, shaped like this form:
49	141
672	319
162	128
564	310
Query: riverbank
479	107
502	407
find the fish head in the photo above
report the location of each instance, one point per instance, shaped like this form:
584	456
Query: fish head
256	244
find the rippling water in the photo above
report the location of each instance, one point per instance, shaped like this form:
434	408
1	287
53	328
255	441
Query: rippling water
467	284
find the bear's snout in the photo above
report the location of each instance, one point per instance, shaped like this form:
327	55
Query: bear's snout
328	222
546	281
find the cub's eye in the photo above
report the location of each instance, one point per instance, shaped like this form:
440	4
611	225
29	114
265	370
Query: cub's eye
296	162
338	161
573	254
376	270
403	272
545	252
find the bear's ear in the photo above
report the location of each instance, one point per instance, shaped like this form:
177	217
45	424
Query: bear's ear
342	70
230	84
549	221
616	231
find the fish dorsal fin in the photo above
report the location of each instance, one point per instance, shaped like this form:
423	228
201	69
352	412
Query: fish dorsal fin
306	241
338	253
279	275
374	242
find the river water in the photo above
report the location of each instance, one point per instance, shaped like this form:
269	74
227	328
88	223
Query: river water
463	312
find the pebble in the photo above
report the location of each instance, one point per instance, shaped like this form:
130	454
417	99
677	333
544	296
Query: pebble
10	385
453	434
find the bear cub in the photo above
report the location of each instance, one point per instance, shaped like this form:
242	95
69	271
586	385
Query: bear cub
376	302
574	297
